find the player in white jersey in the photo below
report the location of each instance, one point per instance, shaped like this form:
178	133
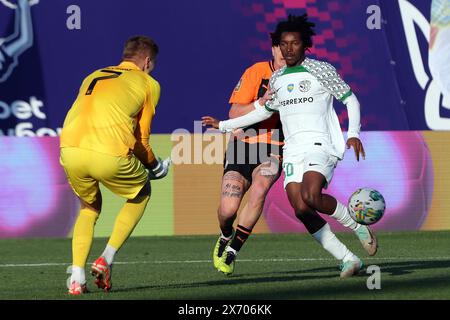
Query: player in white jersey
302	92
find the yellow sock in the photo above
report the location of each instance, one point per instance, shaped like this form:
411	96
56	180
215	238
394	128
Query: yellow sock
126	220
83	233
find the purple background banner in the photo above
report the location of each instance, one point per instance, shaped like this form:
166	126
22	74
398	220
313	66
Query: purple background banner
399	165
35	198
205	47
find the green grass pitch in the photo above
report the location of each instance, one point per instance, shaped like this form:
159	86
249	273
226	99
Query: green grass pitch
414	265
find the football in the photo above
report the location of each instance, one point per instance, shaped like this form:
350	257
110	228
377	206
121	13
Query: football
366	206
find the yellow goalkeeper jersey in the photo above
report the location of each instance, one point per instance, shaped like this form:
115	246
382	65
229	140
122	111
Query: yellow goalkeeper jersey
113	112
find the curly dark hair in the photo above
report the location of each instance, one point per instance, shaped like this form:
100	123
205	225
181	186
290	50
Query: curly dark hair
298	24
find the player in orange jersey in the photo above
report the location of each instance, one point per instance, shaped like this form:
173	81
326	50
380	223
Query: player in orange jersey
251	163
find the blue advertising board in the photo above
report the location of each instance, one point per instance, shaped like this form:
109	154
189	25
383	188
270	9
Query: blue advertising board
381	48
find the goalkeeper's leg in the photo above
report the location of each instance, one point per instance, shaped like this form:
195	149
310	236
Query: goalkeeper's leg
83	234
126	221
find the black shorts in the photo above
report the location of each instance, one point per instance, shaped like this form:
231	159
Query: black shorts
245	157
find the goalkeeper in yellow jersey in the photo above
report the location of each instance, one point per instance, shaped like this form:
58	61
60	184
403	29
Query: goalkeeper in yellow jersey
105	138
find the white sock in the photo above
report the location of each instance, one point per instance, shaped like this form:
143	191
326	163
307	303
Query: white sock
109	254
331	243
343	217
78	275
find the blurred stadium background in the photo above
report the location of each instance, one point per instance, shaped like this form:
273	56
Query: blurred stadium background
204	48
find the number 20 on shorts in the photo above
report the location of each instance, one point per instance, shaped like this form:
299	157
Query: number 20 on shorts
289	169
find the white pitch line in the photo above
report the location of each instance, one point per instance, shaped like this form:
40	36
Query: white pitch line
52	264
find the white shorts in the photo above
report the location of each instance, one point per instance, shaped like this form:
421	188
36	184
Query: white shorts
316	159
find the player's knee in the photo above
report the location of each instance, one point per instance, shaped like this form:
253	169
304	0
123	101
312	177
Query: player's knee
89	213
301	210
227	211
310	198
257	194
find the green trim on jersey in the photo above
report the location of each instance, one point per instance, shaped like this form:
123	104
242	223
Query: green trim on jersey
269	109
294	70
345	96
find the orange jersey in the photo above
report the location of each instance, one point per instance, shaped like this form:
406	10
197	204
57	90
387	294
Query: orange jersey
113	112
252	86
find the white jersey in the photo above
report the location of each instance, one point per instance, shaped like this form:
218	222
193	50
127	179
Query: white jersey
304	98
